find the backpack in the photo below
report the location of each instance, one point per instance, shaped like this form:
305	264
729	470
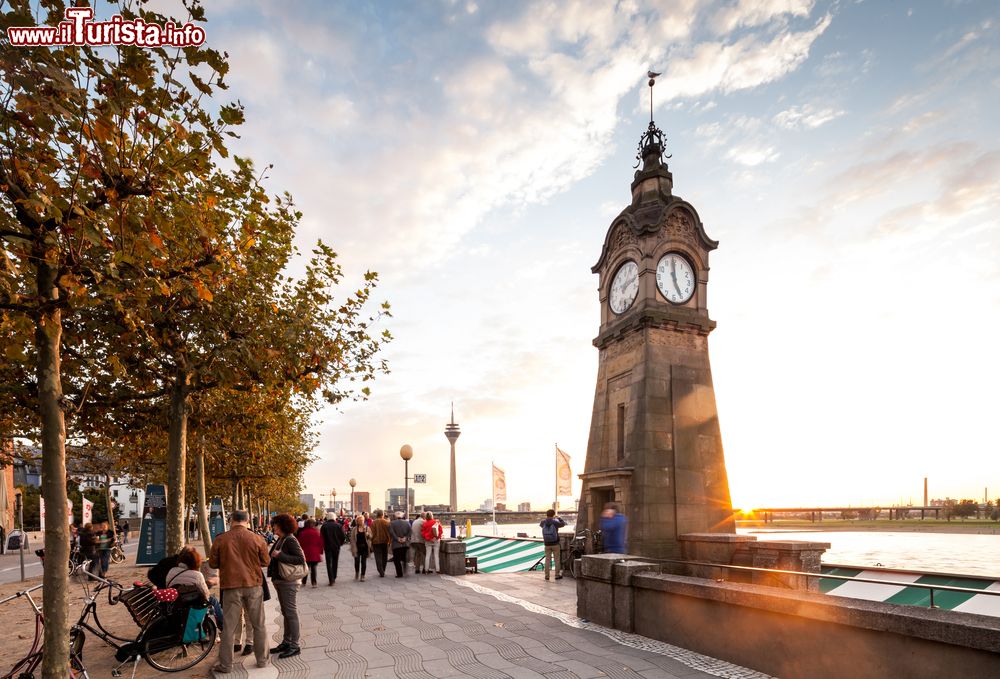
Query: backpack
550	532
431	530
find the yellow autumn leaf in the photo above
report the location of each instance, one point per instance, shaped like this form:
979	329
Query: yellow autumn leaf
203	292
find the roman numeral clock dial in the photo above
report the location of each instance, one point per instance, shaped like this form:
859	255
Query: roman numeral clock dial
675	278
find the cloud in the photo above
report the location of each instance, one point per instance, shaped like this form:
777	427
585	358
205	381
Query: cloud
752	155
805	117
742	64
967	191
525	107
749	13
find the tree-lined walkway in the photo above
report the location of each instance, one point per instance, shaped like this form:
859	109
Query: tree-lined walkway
429	627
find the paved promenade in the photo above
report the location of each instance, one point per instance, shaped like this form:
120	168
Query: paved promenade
480	626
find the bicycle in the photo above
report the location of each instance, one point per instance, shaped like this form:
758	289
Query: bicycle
118	552
26	666
162	628
578	547
76	560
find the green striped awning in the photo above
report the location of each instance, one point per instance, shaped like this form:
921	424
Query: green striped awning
504	555
899	593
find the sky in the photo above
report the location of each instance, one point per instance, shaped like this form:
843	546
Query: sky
845	155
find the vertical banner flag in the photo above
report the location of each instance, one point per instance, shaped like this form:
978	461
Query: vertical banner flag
88	511
216	518
499	485
564	474
153	531
41	512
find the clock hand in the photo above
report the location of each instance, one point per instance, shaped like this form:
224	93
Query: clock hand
673	275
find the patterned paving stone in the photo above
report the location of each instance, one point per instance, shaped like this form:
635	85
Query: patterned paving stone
440	627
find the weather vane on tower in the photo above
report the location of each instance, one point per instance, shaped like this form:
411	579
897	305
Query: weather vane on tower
653	140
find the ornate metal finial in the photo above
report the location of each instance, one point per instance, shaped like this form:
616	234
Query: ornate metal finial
653	139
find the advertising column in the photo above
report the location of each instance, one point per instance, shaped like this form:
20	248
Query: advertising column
153	532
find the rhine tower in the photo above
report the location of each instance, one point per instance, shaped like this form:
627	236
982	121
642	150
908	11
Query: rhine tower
452	432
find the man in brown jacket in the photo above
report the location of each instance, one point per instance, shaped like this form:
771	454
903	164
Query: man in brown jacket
380	541
239	555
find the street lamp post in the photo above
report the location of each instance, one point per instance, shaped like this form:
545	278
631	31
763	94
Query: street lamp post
352	483
406	452
19	510
333	502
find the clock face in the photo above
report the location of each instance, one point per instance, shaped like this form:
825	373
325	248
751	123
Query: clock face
675	278
624	287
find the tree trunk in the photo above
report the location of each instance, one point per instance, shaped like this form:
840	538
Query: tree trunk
236	488
250	506
55	604
177	461
206	534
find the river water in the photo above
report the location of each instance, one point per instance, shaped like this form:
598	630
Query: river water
970	554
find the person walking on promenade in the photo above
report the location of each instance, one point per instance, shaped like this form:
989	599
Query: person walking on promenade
613	529
400	531
431	530
238	555
88	548
550	536
312	547
104	543
417	542
361	546
380	541
286	551
333	538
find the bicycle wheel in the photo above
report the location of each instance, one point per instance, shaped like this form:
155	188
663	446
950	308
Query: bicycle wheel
117	555
163	649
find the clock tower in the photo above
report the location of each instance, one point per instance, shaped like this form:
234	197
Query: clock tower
655	446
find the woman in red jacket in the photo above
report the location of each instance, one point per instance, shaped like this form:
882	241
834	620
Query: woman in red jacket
312	546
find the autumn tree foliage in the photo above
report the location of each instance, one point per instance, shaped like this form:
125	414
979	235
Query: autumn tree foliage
142	272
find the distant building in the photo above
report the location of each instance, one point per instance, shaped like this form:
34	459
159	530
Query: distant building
362	502
394	499
487	505
6	485
501	507
435	509
524	507
309	500
27	471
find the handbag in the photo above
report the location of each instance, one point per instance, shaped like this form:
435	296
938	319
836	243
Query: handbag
291	572
193	625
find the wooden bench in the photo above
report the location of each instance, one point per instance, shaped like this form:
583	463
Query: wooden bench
471	564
